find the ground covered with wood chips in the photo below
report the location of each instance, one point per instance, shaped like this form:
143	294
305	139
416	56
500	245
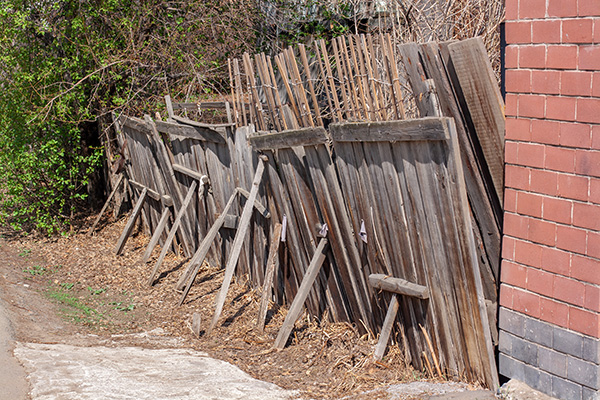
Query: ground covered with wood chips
95	292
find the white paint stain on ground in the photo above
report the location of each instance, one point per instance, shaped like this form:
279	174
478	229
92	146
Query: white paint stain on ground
59	371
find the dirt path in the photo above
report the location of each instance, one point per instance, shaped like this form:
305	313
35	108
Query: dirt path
12	374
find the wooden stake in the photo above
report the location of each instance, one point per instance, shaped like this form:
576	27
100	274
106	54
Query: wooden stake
284	76
311	87
164	218
131	222
296	308
277	97
333	91
322	69
388	323
268	283
430	345
110	196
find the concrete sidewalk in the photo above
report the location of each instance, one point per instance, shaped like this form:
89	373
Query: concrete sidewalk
12	374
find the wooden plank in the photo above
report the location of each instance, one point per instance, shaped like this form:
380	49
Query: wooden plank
236	247
106	203
182	131
187	278
171	236
157	234
268	282
391	131
388	323
257	204
399	286
483	99
131	222
169	105
191	173
187	121
296	308
311	87
287	139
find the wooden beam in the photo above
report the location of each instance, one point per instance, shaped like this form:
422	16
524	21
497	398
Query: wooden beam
200	255
171	236
268	283
289	138
238	241
164	198
258	205
180	131
296	308
188	121
131	222
110	196
388	323
397	285
190	173
157	233
429	128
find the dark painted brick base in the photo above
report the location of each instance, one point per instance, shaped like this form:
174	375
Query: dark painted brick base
561	363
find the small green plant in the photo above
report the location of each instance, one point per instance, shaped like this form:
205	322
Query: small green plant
25	252
96	292
119	306
36	270
67	286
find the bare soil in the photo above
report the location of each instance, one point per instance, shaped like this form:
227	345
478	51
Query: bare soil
74	290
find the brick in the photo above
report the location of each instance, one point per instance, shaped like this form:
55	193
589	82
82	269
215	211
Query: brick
575	135
538	331
567	342
546	31
530	105
517	177
569	290
554	312
510	367
573	187
526	302
557	210
596	79
511	10
587	162
504	342
584	321
594	195
578	30
561	108
559	159
576	83
589	394
582	372
517	32
510	200
528	253
553	362
589	58
544	131
518	129
511	57
562	57
529	204
588	8
557	261
512	104
511	321
596	137
532	9
592	298
585	269
545	182
518	81
516	225
593	247
523	350
570	238
511	152
562	8
547	82
587	110
564	389
591	349
586	216
513	274
508	247
536	379
540	282
506	295
542	232
532	56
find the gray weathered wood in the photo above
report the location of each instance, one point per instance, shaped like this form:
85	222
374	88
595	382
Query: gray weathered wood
286	139
157	233
163	198
181	131
110	196
131	222
171	236
397	285
388	323
390	131
196	262
236	247
267	284
187	121
189	172
296	308
258	205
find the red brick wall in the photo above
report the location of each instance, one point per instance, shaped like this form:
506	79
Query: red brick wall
551	245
